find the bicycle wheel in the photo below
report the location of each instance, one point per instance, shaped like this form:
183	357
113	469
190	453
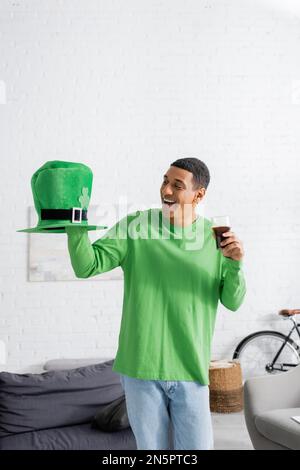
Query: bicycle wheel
257	352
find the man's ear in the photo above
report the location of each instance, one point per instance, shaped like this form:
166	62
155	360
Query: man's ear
200	194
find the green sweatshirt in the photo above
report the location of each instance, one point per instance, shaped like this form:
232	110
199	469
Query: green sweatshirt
173	279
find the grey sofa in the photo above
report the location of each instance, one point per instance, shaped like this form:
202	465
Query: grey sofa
62	364
53	410
269	403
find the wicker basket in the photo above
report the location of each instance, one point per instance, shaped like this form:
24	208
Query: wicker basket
226	386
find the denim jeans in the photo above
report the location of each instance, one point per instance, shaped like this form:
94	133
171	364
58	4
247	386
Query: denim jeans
159	411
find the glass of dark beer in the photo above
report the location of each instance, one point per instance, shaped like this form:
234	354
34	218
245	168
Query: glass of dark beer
220	225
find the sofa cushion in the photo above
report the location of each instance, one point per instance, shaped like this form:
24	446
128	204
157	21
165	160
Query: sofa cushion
278	426
55	398
78	437
62	364
112	417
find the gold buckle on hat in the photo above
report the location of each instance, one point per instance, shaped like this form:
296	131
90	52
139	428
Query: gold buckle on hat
74	209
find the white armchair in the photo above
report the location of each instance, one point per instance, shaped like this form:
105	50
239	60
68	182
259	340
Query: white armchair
269	403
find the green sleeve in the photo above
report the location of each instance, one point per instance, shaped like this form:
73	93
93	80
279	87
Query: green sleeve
232	284
105	254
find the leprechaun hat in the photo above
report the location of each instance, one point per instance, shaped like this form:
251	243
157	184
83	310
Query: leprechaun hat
61	193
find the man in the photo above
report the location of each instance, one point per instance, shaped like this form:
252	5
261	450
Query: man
174	277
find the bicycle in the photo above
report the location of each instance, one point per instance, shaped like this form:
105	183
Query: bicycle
268	351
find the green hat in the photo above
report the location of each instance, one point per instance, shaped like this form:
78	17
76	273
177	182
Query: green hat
61	193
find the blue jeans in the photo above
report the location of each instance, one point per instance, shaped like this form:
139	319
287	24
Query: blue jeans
159	410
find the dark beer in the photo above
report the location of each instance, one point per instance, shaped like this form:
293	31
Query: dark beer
219	234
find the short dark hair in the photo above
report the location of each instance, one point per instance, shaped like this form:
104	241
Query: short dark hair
197	167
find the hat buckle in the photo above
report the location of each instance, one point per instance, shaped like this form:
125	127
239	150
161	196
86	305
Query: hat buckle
75	210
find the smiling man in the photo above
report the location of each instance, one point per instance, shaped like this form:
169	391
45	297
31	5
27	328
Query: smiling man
181	189
174	277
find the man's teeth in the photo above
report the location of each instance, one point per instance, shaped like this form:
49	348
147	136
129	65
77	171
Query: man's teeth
168	200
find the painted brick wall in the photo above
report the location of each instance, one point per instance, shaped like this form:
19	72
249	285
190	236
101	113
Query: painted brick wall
128	87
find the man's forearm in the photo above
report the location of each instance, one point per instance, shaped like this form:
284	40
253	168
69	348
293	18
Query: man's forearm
89	259
81	252
233	286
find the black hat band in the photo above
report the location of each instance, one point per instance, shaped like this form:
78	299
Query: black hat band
75	215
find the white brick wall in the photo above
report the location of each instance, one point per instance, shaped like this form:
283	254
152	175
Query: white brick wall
128	87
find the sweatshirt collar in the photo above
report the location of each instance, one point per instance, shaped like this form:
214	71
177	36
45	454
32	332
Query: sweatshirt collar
182	231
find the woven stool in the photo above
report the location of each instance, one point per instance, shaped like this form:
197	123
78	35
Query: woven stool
226	386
